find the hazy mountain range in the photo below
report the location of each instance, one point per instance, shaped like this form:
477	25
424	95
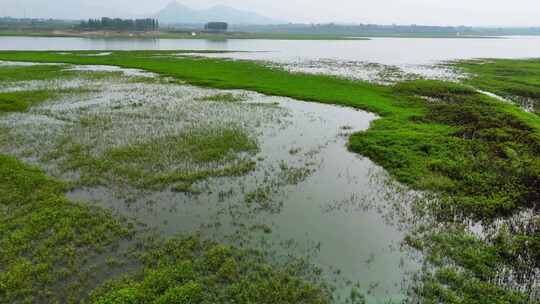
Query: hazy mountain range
175	12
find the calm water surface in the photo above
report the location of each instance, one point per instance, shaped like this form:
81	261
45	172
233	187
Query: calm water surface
391	51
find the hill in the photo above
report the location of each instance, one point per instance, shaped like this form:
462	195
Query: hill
177	13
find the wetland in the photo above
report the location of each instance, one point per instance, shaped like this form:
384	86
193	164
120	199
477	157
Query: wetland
152	176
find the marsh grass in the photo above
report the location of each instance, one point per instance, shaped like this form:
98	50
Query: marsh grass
190	270
21	101
49	247
157	163
113	135
224	97
515	80
12	73
266	195
152	164
46	240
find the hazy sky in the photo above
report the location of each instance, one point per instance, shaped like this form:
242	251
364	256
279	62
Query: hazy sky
440	12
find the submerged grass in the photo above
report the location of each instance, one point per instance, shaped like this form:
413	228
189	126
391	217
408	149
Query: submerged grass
47	244
432	135
224	97
189	270
46	241
157	163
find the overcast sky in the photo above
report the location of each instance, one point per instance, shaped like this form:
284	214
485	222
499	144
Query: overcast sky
435	12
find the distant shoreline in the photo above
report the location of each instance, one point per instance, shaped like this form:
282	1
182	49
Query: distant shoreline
230	35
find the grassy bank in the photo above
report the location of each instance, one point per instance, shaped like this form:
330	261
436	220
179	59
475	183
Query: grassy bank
516	80
482	155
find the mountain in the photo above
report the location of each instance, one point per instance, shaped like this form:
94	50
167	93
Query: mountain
175	12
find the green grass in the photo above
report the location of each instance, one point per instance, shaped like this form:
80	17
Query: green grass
47	243
20	101
450	285
189	270
23	100
223	97
197	147
517	80
33	72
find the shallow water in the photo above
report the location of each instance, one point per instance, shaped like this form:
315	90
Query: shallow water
335	217
342	58
324	203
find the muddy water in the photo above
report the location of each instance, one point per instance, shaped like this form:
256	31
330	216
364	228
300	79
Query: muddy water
315	199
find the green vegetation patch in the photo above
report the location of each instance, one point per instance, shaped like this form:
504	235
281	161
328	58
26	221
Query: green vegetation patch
47	243
21	101
450	285
516	80
159	162
12	73
224	97
189	270
479	151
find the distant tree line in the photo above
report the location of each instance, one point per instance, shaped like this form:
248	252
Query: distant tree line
117	24
216	26
376	29
38	24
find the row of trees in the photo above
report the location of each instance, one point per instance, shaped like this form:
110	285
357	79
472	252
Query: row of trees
117	24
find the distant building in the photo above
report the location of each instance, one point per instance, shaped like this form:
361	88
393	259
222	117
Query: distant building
216	27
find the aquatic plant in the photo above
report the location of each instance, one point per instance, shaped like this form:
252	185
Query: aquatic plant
515	80
191	270
48	244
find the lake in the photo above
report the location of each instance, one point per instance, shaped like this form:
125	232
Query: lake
346	58
391	51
